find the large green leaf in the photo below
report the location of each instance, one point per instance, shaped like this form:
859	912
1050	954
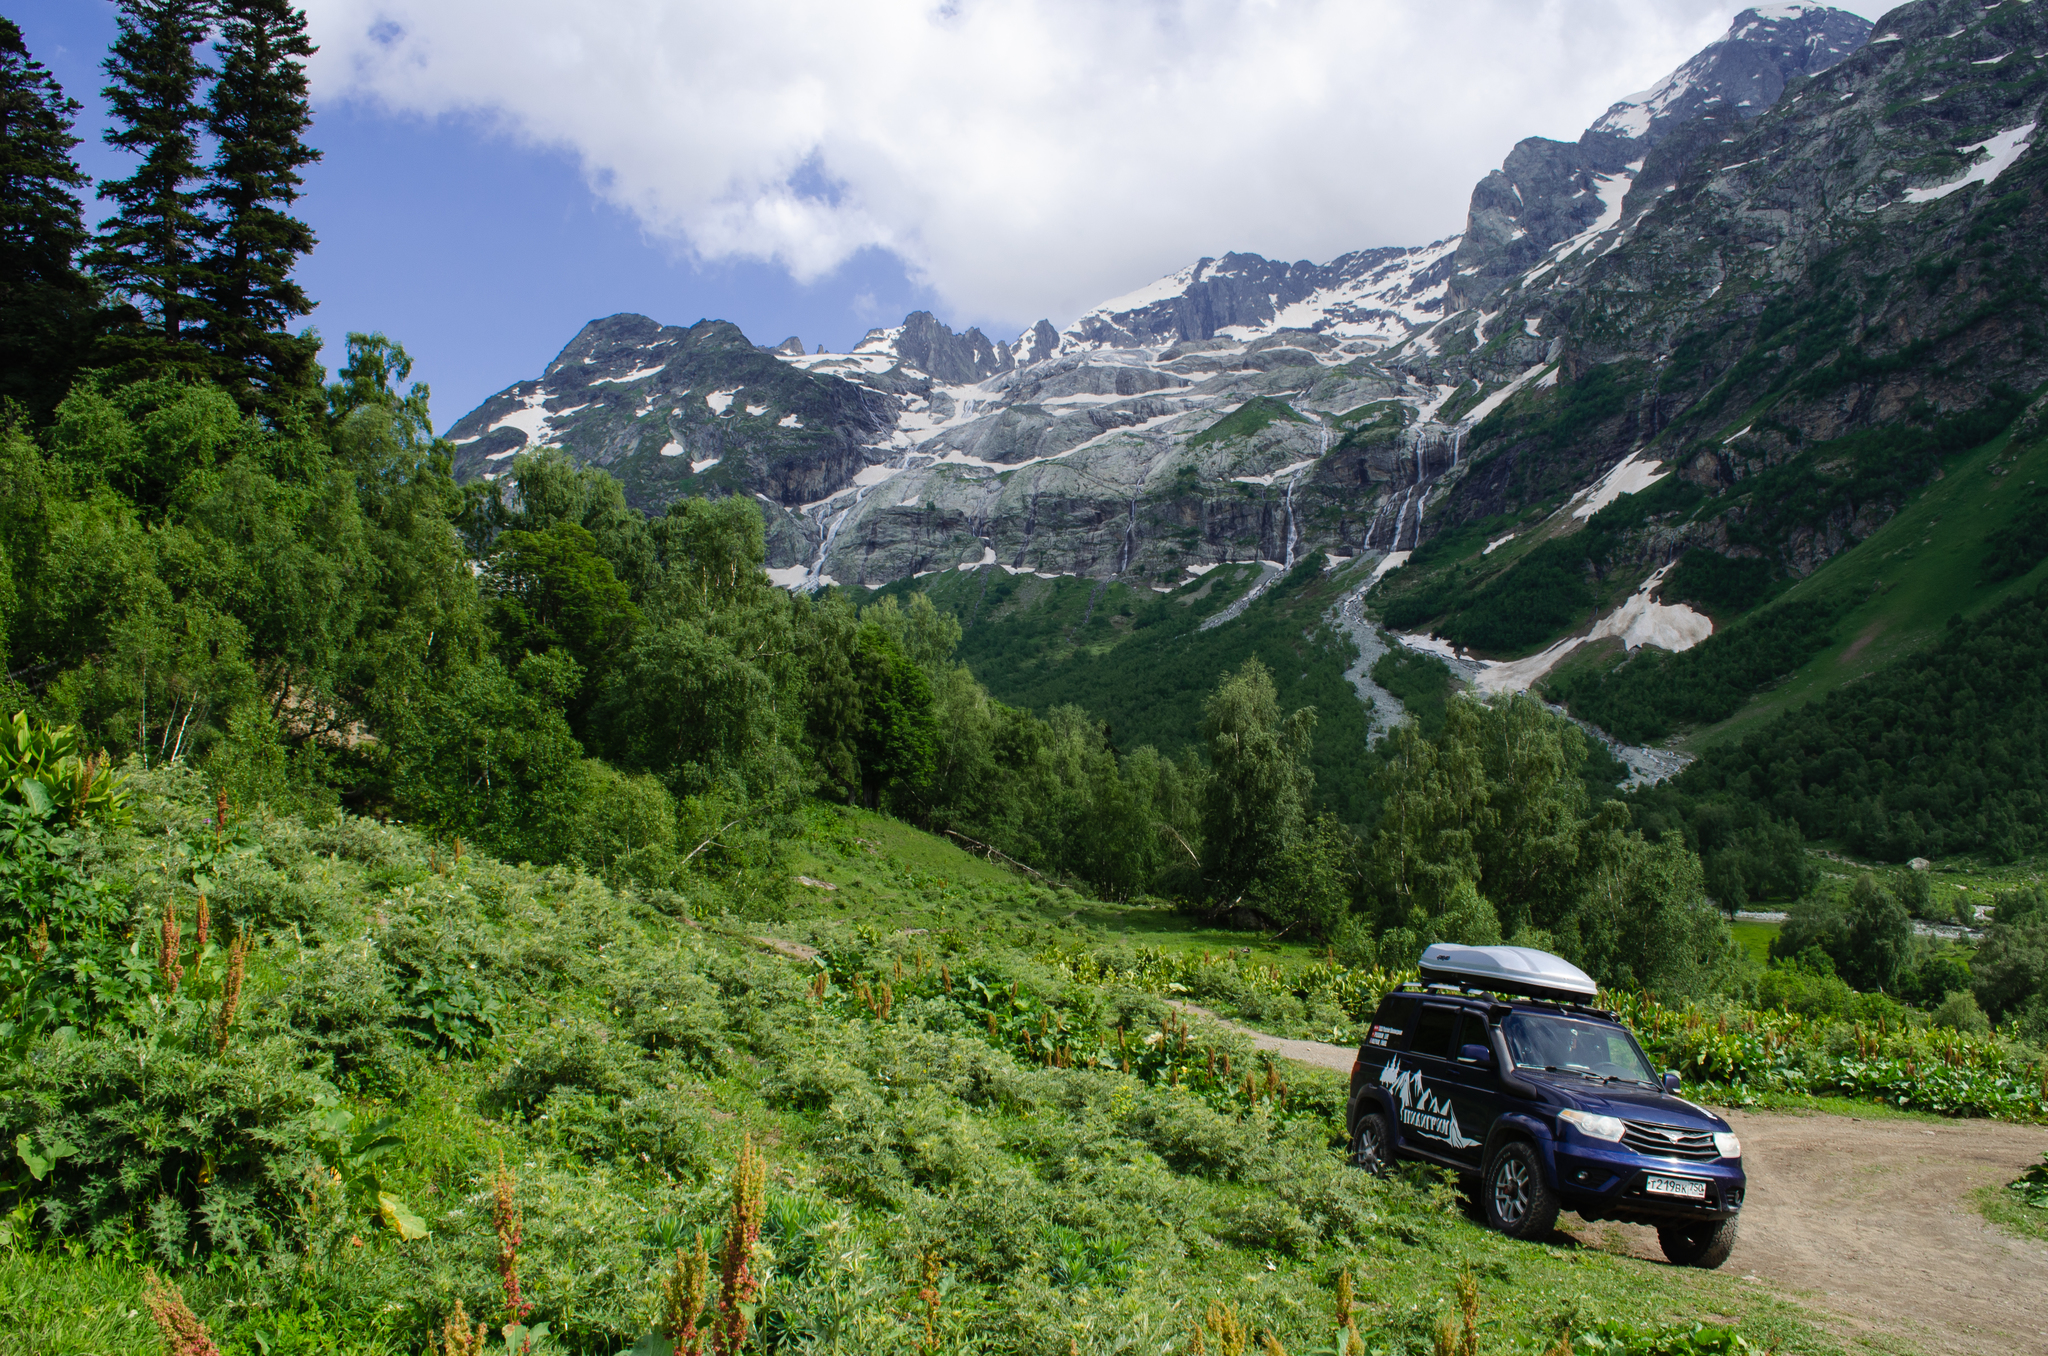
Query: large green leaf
36	796
400	1217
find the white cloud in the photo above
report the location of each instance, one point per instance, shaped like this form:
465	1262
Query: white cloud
1025	158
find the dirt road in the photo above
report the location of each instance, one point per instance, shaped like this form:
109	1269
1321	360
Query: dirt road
1873	1222
1870	1223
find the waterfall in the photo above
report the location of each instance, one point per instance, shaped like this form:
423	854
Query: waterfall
1287	553
825	544
1415	537
1130	533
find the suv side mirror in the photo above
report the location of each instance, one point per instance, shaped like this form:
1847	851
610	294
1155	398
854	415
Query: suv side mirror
1476	1054
1671	1080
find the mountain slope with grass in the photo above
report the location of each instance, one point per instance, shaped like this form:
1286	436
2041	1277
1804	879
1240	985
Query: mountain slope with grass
953	1084
1821	316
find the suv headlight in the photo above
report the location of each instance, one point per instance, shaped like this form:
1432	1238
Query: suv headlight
1727	1145
1596	1127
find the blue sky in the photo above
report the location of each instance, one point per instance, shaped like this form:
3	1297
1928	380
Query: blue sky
484	256
499	172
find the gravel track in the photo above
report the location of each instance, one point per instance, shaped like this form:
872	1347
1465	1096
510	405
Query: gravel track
1871	1224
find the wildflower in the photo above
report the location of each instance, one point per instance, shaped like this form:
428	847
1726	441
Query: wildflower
682	1295
456	1337
171	967
183	1333
738	1286
231	990
505	1219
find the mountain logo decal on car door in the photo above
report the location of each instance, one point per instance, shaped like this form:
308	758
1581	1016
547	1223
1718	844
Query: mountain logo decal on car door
1428	1113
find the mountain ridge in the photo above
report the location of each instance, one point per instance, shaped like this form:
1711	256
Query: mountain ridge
1098	417
1608	312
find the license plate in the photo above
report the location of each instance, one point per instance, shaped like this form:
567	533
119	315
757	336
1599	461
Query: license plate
1676	1186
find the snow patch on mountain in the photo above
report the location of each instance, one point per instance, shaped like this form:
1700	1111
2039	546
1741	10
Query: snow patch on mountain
1631	474
1640	620
1999	153
1494	401
637	374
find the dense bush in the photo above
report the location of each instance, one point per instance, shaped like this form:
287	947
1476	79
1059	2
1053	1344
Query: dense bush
2011	966
1718	584
1865	932
2022	543
1739	1054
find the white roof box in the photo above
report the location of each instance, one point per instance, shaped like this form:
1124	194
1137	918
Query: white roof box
1506	969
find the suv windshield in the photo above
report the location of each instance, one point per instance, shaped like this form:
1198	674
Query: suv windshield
1541	1041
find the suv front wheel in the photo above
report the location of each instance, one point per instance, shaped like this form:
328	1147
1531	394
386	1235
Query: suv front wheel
1518	1199
1371	1147
1703	1244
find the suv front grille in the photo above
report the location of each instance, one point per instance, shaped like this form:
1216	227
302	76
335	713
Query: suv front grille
1669	1141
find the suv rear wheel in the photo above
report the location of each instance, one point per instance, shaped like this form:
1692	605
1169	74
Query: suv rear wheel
1371	1146
1518	1199
1706	1243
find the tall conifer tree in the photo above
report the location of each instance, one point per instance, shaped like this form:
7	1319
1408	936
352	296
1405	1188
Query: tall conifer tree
258	116
150	251
46	304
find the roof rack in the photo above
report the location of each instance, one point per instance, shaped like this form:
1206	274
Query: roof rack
1506	969
1422	990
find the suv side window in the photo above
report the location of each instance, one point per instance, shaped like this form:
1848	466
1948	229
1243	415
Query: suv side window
1390	1024
1434	1031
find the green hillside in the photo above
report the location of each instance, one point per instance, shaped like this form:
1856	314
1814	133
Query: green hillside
943	1064
1901	585
1960	546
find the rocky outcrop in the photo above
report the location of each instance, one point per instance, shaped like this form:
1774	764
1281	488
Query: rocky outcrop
1375	295
932	348
673	411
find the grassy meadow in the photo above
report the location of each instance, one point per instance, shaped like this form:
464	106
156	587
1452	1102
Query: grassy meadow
970	1144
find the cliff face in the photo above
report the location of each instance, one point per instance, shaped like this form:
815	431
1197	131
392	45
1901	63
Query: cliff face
1796	236
1864	260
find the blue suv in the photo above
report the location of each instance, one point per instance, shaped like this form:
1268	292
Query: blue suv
1549	1104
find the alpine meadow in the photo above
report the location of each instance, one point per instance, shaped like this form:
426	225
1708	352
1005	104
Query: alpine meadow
725	848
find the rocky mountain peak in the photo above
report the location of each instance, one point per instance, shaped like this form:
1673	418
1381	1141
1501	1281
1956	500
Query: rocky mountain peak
1547	193
1746	70
922	342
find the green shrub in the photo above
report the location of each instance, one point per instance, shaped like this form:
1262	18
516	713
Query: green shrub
169	1144
1959	1012
1719	584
